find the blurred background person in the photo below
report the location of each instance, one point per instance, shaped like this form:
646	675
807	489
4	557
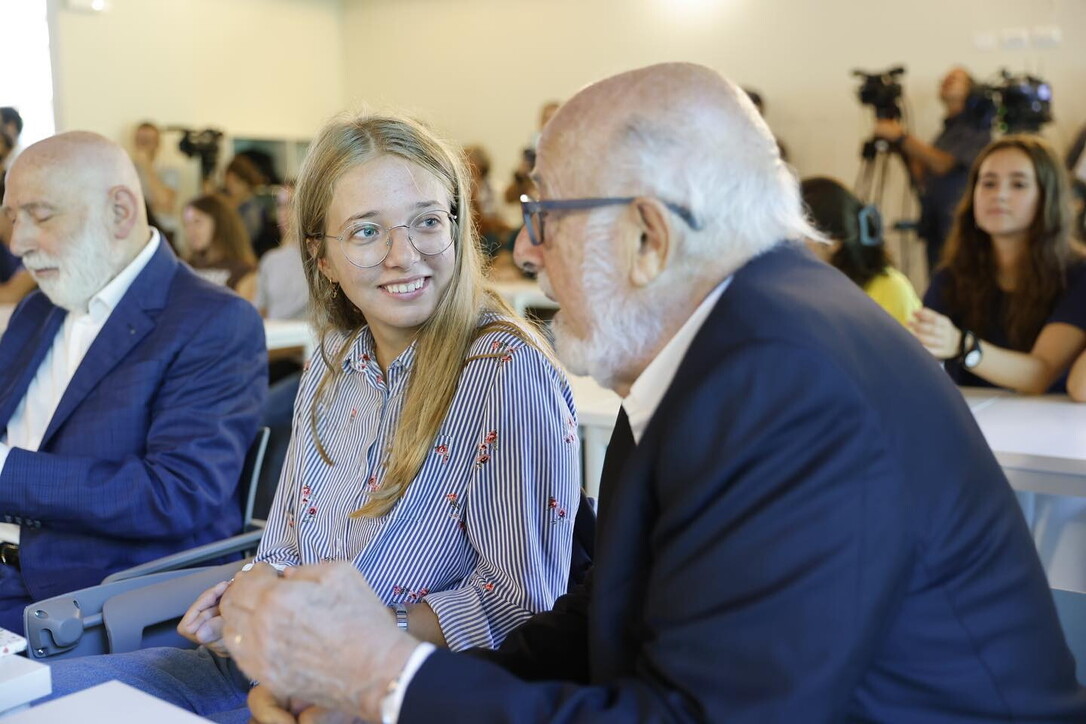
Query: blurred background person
1007	308
522	183
281	291
1076	166
242	180
940	170
217	246
159	184
6	147
15	281
493	231
11	123
856	245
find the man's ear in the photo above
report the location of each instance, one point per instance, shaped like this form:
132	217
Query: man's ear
124	208
657	237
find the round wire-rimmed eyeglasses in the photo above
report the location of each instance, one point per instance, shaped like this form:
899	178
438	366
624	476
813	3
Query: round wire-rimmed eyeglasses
366	244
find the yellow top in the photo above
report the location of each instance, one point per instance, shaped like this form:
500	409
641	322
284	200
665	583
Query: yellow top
893	291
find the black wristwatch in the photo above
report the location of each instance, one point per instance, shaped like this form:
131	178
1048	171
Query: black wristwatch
970	352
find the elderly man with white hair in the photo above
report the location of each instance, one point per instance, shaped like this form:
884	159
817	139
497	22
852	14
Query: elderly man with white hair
799	519
129	388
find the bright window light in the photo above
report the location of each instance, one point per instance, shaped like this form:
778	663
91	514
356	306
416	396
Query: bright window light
27	83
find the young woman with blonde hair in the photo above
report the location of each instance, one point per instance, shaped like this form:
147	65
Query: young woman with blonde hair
434	439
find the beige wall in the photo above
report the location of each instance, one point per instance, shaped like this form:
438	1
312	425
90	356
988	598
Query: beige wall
480	68
251	67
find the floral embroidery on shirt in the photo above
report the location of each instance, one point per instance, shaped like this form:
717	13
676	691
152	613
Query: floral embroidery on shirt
486	447
488	586
558	513
406	595
483	456
442	451
502	348
571	431
454	505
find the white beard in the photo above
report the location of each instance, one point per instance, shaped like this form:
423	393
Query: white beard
620	322
87	264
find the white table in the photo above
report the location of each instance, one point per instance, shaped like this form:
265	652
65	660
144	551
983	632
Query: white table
597	409
1040	442
289	334
108	703
522	294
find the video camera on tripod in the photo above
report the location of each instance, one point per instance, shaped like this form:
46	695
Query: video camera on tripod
200	144
1018	103
881	91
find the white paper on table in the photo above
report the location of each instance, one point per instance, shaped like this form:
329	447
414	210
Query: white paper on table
107	703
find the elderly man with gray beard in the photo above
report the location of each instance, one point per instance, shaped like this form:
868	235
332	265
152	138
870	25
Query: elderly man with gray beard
129	388
799	520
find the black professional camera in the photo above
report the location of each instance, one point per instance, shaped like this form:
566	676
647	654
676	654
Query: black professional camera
881	91
201	144
1021	104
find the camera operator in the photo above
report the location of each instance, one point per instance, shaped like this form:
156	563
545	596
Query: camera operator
940	170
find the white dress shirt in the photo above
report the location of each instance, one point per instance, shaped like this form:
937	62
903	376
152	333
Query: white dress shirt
31	418
649	387
645	395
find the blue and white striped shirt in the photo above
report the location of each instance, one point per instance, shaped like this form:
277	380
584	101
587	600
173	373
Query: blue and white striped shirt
484	532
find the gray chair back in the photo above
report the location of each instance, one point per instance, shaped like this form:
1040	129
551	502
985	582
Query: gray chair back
1071	608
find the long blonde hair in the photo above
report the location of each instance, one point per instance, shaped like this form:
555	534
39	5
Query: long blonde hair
445	338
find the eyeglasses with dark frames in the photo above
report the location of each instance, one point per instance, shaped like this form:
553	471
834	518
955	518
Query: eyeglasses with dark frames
533	211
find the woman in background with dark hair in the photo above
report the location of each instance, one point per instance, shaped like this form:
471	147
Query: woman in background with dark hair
856	247
1007	306
217	246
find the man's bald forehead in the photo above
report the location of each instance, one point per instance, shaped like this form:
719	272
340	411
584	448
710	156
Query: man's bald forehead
82	158
687	106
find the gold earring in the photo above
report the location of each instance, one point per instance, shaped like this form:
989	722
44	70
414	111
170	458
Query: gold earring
335	291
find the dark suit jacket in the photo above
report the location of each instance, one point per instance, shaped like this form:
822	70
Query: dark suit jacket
812	529
143	454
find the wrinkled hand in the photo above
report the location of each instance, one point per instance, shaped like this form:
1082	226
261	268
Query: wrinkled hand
266	709
936	332
202	624
888	128
318	634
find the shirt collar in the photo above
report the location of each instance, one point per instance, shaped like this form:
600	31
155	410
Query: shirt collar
102	304
364	352
649	387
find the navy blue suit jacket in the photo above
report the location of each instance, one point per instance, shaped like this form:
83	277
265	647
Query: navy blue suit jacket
812	529
143	454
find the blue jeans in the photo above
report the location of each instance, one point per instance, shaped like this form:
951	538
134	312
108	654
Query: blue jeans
195	680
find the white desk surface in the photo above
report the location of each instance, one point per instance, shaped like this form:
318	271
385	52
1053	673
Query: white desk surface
107	703
289	333
1039	441
522	294
596	405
